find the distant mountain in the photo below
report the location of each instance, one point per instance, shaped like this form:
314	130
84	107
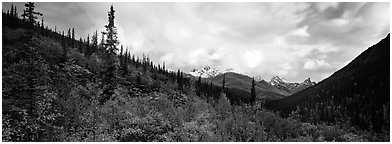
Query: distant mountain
357	93
275	89
259	78
276	80
208	72
243	83
290	88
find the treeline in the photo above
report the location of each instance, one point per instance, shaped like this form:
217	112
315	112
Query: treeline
210	91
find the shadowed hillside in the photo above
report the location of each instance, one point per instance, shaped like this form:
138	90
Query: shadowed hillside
359	93
243	82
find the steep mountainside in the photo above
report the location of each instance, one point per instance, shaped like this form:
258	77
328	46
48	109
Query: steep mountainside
359	92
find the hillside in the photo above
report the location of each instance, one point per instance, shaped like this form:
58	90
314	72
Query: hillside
56	88
358	92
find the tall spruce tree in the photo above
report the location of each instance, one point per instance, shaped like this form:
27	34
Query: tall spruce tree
109	80
12	9
111	33
73	38
253	91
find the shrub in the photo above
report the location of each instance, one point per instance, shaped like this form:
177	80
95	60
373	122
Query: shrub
331	133
50	49
79	57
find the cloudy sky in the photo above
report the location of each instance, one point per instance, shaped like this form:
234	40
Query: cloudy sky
291	40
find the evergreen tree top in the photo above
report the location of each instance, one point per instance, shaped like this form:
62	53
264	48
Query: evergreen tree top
111	33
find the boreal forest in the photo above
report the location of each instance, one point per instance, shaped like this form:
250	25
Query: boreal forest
58	88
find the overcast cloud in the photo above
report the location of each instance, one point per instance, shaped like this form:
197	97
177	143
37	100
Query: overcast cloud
291	40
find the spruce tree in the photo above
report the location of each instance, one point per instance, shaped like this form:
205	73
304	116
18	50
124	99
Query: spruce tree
88	48
164	67
111	60
15	12
123	63
94	42
102	43
11	19
42	26
111	33
121	51
69	37
179	78
253	92
30	14
223	82
65	50
12	9
73	38
80	44
198	87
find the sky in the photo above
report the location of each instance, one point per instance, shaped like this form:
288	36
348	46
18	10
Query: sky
292	40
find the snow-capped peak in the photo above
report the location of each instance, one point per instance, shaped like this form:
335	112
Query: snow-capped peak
258	78
207	72
276	80
308	82
290	87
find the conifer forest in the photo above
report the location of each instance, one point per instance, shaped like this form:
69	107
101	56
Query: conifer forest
59	87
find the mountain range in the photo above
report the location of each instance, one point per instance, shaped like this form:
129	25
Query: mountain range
244	83
358	93
290	88
276	88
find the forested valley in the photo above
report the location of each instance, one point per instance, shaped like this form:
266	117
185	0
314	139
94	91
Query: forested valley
57	88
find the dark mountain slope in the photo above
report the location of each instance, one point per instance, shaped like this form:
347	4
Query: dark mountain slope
358	93
241	82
